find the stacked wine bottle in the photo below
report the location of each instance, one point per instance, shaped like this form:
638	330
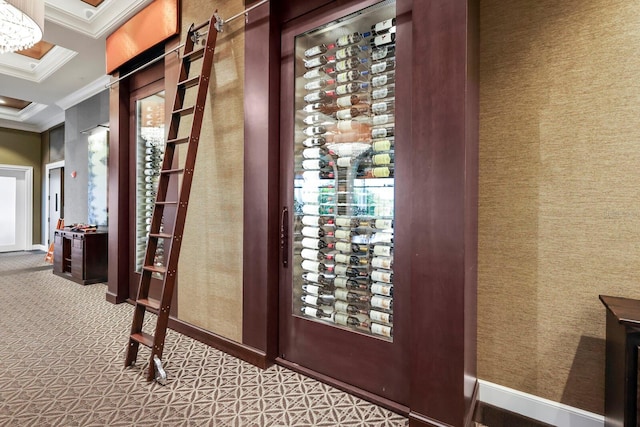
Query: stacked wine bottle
150	156
346	137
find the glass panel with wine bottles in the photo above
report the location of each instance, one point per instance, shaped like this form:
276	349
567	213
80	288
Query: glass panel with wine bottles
344	172
150	153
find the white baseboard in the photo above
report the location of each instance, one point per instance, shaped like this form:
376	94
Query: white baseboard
39	248
537	408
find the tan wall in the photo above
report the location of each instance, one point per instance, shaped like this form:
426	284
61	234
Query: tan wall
210	270
559	214
24	149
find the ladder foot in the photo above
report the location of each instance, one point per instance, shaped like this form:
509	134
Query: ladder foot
161	375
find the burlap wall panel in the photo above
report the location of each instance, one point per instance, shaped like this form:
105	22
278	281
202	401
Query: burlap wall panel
559	214
210	269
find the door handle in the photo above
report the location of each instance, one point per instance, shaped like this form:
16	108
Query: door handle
56	202
284	236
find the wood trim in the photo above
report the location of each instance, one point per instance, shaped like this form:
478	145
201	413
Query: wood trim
443	144
348	388
261	165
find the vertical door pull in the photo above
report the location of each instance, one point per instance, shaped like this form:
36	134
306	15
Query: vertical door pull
284	236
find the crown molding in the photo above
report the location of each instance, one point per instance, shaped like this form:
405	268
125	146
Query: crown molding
93	22
22	67
86	92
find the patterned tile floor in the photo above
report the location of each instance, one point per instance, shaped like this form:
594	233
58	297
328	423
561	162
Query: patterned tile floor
61	364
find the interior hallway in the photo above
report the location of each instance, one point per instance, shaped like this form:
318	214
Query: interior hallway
61	364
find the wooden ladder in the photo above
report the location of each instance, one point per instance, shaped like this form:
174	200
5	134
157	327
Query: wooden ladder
172	240
49	256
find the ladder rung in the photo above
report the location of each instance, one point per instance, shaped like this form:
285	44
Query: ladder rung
161	235
178	140
194	55
190	82
167	203
185	111
150	303
143	338
155	269
169	171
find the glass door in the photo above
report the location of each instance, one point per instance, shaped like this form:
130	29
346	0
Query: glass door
338	139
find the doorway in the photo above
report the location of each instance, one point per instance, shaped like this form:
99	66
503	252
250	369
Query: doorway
54	197
16	209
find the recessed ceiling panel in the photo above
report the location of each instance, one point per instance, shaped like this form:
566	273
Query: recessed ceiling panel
17	104
94	3
38	50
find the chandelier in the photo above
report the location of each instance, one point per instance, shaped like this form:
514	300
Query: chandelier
21	24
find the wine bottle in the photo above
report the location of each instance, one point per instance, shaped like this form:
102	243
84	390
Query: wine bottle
314	141
376	172
350	63
382	237
314	152
383	26
348	101
348	234
382	159
317	299
318	278
343	270
311	243
318	61
351	76
349	51
317	221
378	301
346	320
319	49
315	312
351	39
384	107
382	119
347	283
352	222
383	79
380	53
383	131
350	113
319	72
356	248
383	92
346	295
382	262
382	39
314	255
351	260
312	209
382	250
318	84
319	96
313	164
316	175
345	307
313	119
384	330
382	276
379	316
315	266
383	224
310	289
352	87
383	66
385	289
315	107
315	232
358	124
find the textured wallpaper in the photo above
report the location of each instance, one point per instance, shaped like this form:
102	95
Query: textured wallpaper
559	204
210	269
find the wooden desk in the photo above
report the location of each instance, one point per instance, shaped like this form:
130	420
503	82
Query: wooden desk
621	367
81	257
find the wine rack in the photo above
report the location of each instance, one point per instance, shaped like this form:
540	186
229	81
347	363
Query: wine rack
344	172
149	156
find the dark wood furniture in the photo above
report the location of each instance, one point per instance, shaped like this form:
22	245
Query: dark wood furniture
621	368
81	257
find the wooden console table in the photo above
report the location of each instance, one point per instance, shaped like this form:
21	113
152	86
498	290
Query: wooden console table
79	256
621	367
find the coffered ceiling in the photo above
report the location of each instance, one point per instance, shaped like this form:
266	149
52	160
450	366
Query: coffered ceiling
68	68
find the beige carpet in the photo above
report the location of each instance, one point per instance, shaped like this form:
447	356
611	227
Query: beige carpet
61	364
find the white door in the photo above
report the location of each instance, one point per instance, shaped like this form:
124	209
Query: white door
15	215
